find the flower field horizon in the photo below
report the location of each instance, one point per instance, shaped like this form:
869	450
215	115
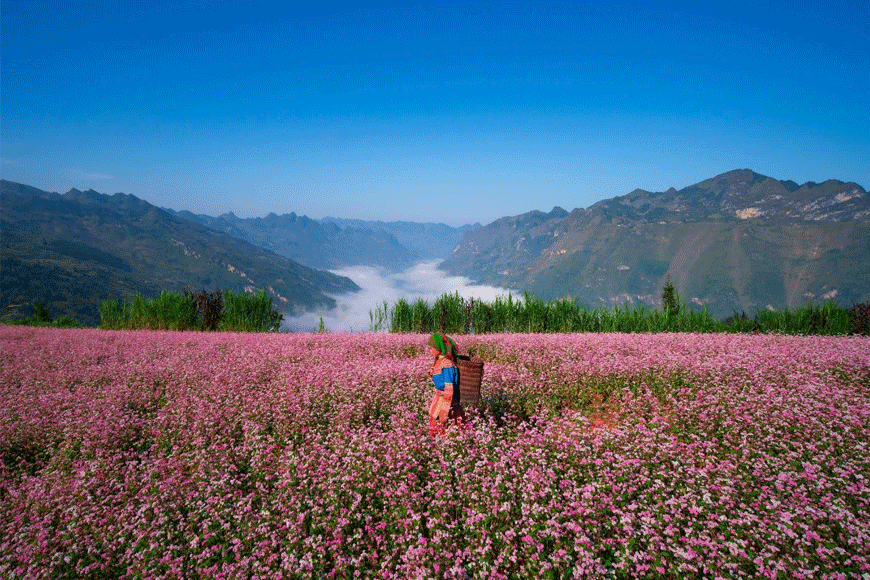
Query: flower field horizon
154	454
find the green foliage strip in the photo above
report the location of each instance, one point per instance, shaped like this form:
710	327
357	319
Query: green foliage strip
41	317
453	314
171	310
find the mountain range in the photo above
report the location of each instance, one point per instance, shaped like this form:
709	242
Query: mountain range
425	241
333	243
73	251
738	242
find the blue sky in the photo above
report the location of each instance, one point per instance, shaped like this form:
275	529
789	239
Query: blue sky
454	112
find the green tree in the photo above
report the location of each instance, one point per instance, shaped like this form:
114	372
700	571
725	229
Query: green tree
41	314
670	298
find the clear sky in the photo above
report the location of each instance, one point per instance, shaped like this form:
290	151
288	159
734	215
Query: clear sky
455	112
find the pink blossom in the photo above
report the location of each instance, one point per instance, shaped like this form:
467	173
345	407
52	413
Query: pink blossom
153	454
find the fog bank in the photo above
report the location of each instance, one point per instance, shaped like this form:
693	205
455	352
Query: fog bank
423	280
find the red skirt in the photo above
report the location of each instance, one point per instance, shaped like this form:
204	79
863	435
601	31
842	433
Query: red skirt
456	417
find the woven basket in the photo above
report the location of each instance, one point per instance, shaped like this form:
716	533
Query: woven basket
470	378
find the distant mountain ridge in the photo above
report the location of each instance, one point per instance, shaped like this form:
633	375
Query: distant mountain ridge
332	243
425	241
744	194
74	250
736	242
310	242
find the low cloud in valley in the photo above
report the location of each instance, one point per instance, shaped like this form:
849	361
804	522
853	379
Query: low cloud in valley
423	280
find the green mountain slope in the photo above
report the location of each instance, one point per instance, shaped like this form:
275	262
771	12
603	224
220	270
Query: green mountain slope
74	250
737	242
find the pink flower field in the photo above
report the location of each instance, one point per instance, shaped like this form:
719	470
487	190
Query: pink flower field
186	455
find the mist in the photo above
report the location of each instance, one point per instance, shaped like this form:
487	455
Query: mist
423	280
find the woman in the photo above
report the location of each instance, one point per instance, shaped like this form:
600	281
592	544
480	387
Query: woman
445	376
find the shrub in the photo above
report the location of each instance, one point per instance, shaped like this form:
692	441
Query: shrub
860	318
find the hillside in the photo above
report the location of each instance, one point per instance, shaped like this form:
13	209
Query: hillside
737	242
74	250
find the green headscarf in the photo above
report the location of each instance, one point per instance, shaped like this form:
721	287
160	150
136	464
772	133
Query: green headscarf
445	344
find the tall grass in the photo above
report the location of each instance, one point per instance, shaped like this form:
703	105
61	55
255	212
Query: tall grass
168	310
249	313
113	314
171	310
527	314
827	319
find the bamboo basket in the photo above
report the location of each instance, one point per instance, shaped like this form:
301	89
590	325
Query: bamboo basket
470	378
